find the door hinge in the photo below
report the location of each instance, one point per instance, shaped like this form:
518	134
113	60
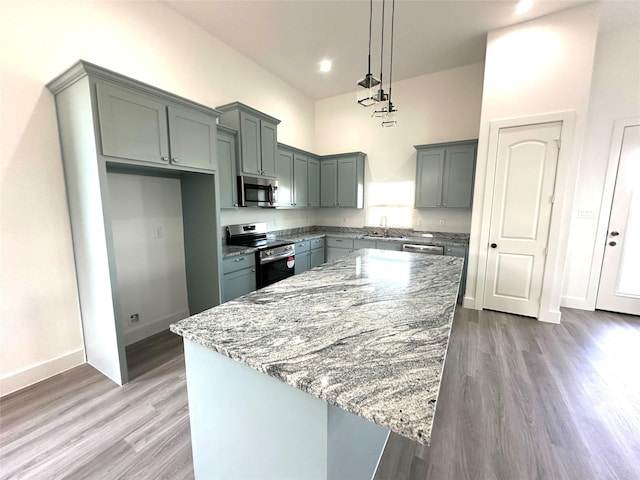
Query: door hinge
552	199
558	143
544	252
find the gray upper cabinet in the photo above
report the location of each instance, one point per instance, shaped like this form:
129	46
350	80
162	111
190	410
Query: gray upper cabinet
444	174
227	154
313	182
284	173
342	180
140	127
257	137
300	188
329	183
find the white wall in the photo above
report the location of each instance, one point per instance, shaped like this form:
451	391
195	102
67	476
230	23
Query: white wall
148	239
41	333
615	94
537	68
439	107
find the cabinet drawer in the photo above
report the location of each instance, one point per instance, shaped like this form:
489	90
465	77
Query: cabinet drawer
364	244
238	262
339	242
302	247
317	242
455	251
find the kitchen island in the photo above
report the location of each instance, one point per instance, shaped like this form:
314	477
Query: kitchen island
305	378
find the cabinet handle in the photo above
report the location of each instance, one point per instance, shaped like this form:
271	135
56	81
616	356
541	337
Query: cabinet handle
253	269
165	159
235	204
239	259
444	204
174	159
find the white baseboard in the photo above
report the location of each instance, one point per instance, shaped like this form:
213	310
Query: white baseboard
144	330
550	317
576	302
15	381
470	302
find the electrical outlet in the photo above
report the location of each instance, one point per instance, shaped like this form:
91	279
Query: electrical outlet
418	222
344	220
442	222
158	231
135	318
586	214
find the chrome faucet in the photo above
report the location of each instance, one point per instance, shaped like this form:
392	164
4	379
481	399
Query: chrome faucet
383	224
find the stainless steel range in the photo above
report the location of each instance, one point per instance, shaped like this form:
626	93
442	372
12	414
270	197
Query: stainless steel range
275	259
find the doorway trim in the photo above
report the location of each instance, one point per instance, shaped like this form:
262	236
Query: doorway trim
566	175
608	190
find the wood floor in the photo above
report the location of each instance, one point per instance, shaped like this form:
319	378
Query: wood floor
519	400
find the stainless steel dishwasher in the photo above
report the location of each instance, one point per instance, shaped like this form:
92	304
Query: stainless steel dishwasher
428	249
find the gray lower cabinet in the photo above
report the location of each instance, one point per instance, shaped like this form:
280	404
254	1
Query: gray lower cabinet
139	127
227	155
342	180
338	247
379	244
303	257
239	276
444	174
111	123
459	252
317	252
309	254
257	137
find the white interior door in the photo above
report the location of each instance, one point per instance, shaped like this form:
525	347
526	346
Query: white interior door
526	162
619	289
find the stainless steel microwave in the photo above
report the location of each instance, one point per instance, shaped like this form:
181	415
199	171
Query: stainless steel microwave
257	192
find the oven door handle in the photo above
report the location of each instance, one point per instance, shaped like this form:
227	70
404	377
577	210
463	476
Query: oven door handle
273	258
271	195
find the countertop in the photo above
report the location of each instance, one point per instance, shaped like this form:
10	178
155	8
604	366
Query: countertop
439	238
367	333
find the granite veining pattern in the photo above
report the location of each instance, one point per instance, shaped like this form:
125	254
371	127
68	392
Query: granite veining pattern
367	333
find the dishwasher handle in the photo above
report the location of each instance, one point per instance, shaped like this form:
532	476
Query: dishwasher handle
428	249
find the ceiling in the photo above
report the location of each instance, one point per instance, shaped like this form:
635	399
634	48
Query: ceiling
290	37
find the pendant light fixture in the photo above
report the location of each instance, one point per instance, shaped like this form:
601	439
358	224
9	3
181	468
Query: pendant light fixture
365	94
380	96
388	110
390	117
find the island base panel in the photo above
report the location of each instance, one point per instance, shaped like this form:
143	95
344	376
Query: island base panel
246	424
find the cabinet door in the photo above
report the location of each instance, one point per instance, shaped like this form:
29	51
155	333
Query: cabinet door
227	169
395	246
458	177
268	148
284	172
192	139
364	244
238	283
313	182
250	144
429	172
328	183
334	253
347	182
303	262
299	181
316	257
133	126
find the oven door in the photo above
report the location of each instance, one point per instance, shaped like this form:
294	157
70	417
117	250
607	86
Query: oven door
272	270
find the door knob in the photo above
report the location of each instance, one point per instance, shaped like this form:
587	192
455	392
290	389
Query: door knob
494	245
612	244
614	234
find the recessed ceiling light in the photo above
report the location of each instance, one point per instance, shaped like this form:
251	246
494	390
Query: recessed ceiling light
524	6
325	66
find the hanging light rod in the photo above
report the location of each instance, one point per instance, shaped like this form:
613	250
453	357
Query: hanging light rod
364	96
390	117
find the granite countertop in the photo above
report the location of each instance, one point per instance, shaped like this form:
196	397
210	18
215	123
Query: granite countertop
367	333
438	238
